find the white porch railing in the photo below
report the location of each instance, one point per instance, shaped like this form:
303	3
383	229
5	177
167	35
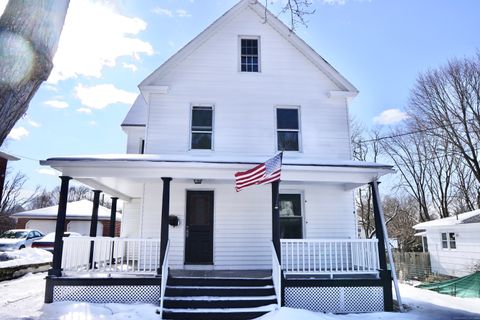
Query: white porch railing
110	255
330	256
164	277
277	277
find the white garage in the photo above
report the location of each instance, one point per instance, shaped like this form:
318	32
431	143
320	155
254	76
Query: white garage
45	226
78	218
83	227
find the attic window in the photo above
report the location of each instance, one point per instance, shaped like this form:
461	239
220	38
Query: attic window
249	54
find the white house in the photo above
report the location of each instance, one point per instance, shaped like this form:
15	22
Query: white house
241	91
78	218
453	243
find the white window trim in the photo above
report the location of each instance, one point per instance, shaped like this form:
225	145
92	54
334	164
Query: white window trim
192	105
239	50
300	148
302	207
447	233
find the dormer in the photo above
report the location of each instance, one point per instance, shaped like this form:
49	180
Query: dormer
134	125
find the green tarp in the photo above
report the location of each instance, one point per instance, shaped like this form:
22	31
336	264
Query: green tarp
465	287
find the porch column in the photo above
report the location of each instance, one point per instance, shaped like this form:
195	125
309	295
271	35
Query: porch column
164	227
113	216
379	233
276	220
56	269
94	223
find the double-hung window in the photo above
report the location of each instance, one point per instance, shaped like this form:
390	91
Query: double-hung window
291	220
250	54
202	127
448	240
288	129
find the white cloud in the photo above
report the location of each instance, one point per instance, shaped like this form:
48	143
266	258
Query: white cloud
84	110
390	116
130	66
94	36
100	96
33	123
181	13
57	104
18	133
334	2
163	12
48	171
93	123
49	87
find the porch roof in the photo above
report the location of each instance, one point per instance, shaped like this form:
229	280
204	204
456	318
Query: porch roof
123	174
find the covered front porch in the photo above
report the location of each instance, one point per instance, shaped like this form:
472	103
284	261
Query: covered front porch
247	233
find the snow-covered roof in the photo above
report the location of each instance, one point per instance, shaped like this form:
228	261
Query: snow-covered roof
75	210
217	158
137	115
463	218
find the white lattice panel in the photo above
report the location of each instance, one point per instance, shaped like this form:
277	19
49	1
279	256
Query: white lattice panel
335	299
107	294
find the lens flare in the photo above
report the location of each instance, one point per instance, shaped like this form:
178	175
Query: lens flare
17	59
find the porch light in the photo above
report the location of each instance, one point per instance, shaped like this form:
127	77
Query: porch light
197	181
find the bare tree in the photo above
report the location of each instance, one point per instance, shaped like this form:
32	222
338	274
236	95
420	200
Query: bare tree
297	11
29	35
448	99
13	199
467	187
75	193
42	200
408	152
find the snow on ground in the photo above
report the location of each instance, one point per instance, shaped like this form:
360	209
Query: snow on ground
23	299
25	256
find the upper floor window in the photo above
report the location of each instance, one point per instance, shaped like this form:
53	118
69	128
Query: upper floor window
249	54
288	129
448	240
202	127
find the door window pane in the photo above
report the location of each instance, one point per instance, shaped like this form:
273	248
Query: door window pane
291	221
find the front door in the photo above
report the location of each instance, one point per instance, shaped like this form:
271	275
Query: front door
199	228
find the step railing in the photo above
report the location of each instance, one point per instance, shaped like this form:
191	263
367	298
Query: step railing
330	256
164	277
277	277
110	255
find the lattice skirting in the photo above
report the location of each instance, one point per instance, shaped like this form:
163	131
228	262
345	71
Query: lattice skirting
335	299
108	294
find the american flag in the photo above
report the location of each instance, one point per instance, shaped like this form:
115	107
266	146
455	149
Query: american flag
261	174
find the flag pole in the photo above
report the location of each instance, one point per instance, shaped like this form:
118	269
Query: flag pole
276	215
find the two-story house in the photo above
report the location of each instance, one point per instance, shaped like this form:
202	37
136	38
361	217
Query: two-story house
243	90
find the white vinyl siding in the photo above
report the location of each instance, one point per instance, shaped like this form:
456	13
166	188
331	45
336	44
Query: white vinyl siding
243	220
459	261
244	103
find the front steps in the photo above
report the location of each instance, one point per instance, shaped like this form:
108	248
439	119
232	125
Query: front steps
218	298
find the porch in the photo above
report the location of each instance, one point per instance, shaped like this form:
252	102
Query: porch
325	262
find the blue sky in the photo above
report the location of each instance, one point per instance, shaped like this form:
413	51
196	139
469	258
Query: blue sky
108	47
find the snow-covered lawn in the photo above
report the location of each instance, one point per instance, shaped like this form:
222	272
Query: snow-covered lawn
23	299
25	257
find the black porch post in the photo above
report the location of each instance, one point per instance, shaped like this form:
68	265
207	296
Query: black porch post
276	219
94	223
56	269
113	216
164	227
379	233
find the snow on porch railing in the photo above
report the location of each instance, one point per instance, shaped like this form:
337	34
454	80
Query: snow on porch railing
164	277
277	277
111	255
330	256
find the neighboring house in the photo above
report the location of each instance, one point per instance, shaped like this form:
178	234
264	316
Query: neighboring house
78	218
453	243
241	91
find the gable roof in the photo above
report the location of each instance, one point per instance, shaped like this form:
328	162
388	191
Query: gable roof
75	210
137	115
275	23
463	218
